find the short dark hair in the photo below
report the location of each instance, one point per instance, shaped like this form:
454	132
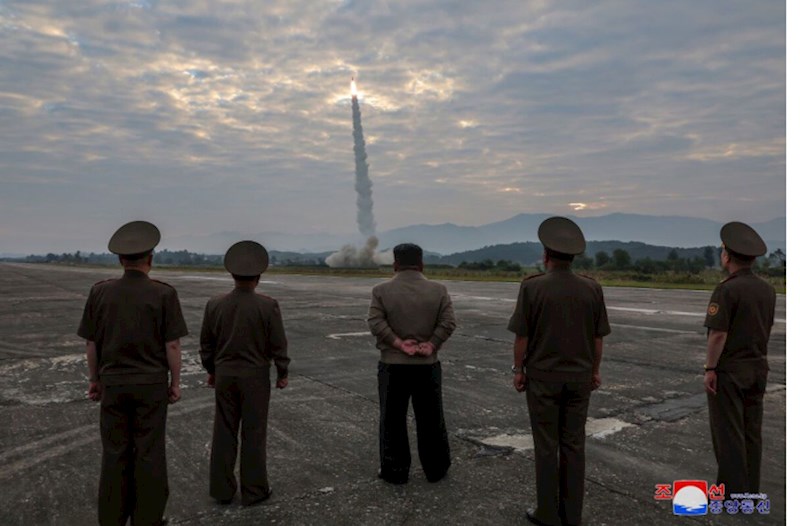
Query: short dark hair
237	277
552	254
408	255
740	259
135	258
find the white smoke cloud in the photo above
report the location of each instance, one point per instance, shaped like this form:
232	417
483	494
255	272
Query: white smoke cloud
366	256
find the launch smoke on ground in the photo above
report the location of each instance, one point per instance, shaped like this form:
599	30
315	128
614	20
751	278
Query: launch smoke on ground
367	256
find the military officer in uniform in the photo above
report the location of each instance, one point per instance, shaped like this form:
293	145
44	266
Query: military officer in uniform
560	320
242	334
411	318
132	327
739	320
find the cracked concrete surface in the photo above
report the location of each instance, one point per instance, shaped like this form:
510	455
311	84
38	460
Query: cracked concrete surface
648	422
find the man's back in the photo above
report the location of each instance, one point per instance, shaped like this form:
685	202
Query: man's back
743	306
242	331
561	313
130	320
410	306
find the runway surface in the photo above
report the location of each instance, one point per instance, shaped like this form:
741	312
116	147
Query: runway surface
648	422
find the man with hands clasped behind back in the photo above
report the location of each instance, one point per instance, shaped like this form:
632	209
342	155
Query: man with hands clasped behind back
411	317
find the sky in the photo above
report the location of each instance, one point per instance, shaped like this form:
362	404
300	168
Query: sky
208	116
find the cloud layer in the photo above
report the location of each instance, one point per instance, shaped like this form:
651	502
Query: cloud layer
208	116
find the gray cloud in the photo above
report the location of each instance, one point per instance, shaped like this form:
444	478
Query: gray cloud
207	116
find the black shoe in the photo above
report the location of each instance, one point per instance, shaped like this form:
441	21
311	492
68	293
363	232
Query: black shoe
259	500
530	513
437	477
392	479
223	502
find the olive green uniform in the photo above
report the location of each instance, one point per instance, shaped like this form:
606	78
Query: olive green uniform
242	334
743	305
130	320
561	313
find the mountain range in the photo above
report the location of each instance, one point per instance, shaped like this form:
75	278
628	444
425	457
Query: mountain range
669	231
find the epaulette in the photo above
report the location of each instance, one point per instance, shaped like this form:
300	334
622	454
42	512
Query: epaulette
531	276
587	277
103	281
162	283
728	279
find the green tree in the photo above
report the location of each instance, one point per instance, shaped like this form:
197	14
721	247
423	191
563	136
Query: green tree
622	260
601	259
583	262
710	256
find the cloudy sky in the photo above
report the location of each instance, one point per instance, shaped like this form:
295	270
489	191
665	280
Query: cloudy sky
206	116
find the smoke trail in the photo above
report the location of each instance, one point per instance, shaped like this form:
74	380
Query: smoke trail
367	256
366	220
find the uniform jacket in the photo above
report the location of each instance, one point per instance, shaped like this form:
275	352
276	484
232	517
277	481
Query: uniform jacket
130	320
242	334
561	313
743	305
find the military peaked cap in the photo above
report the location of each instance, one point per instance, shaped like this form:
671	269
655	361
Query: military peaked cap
742	239
246	258
562	235
136	237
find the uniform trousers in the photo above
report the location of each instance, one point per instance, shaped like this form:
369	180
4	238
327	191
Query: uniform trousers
558	421
133	477
240	400
735	415
397	383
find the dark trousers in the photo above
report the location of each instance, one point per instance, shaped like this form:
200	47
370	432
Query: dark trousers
423	385
558	420
735	414
245	400
133	476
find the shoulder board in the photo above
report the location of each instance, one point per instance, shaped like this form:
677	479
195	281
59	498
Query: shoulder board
162	283
732	276
587	277
104	281
531	276
264	296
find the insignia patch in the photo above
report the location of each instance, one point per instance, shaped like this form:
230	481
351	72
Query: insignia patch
713	309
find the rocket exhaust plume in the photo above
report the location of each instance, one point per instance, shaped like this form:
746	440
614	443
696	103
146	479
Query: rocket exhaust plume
350	256
366	221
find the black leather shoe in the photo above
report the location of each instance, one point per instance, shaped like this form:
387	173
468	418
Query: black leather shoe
223	502
530	513
259	500
392	480
437	477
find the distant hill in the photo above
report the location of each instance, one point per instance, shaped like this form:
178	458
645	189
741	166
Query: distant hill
527	254
668	231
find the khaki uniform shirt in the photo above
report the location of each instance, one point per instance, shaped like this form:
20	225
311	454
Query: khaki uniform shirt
130	320
743	305
409	306
242	333
561	313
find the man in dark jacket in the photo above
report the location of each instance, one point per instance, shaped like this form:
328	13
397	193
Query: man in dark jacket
559	321
739	319
242	334
132	326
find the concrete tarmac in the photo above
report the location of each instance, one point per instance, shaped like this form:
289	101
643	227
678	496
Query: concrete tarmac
648	422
